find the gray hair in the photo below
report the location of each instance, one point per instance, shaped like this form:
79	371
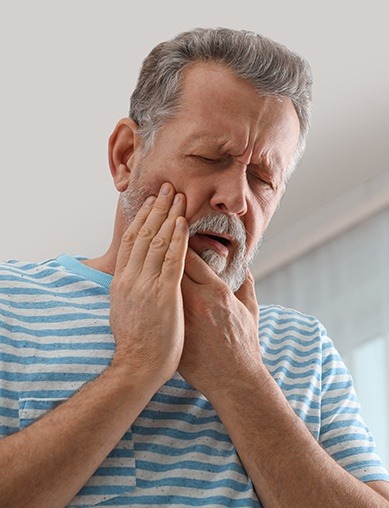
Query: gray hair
272	68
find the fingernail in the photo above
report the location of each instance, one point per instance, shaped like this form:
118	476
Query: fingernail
176	199
149	201
165	189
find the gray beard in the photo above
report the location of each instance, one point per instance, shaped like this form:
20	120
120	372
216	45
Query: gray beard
231	271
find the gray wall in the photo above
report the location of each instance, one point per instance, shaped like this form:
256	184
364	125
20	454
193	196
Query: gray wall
344	283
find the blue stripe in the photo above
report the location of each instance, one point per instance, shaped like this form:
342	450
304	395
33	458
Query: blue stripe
177	400
342	410
336	385
8	412
363	463
39	394
180	434
58	360
291	328
177	452
123	471
54	346
305	399
307	418
292	348
190	465
344	439
53	318
193	484
52	304
181	501
313	374
48	376
81	293
7	430
182	416
58	332
349	452
342	424
105	490
299	364
302	386
180	383
270	316
338	399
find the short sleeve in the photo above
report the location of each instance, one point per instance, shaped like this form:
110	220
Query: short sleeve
343	433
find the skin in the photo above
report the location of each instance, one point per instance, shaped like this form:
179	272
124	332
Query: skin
251	141
234	163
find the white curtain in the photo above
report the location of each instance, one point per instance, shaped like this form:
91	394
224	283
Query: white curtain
345	284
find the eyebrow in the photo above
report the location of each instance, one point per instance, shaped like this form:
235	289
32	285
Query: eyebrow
270	165
205	141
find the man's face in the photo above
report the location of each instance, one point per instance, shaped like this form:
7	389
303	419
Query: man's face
228	150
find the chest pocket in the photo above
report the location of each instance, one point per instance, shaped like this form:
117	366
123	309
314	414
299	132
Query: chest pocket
116	475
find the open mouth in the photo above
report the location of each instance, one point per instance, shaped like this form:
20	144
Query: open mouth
221	244
220	239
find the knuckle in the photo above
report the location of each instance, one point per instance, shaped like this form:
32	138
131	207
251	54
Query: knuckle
145	232
170	259
158	242
161	207
129	237
223	295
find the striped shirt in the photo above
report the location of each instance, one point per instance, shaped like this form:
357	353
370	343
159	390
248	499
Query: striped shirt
55	336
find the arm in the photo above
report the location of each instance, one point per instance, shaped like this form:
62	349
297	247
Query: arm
281	456
285	463
46	464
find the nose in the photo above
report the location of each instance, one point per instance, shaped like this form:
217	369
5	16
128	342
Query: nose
230	191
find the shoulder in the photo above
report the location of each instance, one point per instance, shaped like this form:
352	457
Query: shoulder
18	269
286	332
282	322
24	276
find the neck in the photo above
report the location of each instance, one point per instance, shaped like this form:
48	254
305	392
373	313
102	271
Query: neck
107	262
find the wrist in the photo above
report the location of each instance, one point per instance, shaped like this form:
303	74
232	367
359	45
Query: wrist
241	384
132	376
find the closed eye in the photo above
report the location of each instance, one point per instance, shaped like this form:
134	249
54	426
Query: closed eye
212	160
207	159
259	179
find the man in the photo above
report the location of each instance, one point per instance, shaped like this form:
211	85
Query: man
151	387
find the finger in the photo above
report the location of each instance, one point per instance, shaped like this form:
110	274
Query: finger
198	270
160	244
150	227
174	261
131	234
246	294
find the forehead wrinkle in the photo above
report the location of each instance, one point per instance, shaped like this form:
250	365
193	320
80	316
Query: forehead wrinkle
222	144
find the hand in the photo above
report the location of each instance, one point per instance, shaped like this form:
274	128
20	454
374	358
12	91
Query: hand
221	330
147	317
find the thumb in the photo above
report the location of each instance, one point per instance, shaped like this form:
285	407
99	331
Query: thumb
197	269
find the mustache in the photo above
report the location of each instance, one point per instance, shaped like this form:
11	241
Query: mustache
220	223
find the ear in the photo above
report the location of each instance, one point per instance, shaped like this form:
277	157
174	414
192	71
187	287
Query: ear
123	143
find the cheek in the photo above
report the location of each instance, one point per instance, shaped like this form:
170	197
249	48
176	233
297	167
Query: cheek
165	171
254	230
149	181
197	200
256	221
